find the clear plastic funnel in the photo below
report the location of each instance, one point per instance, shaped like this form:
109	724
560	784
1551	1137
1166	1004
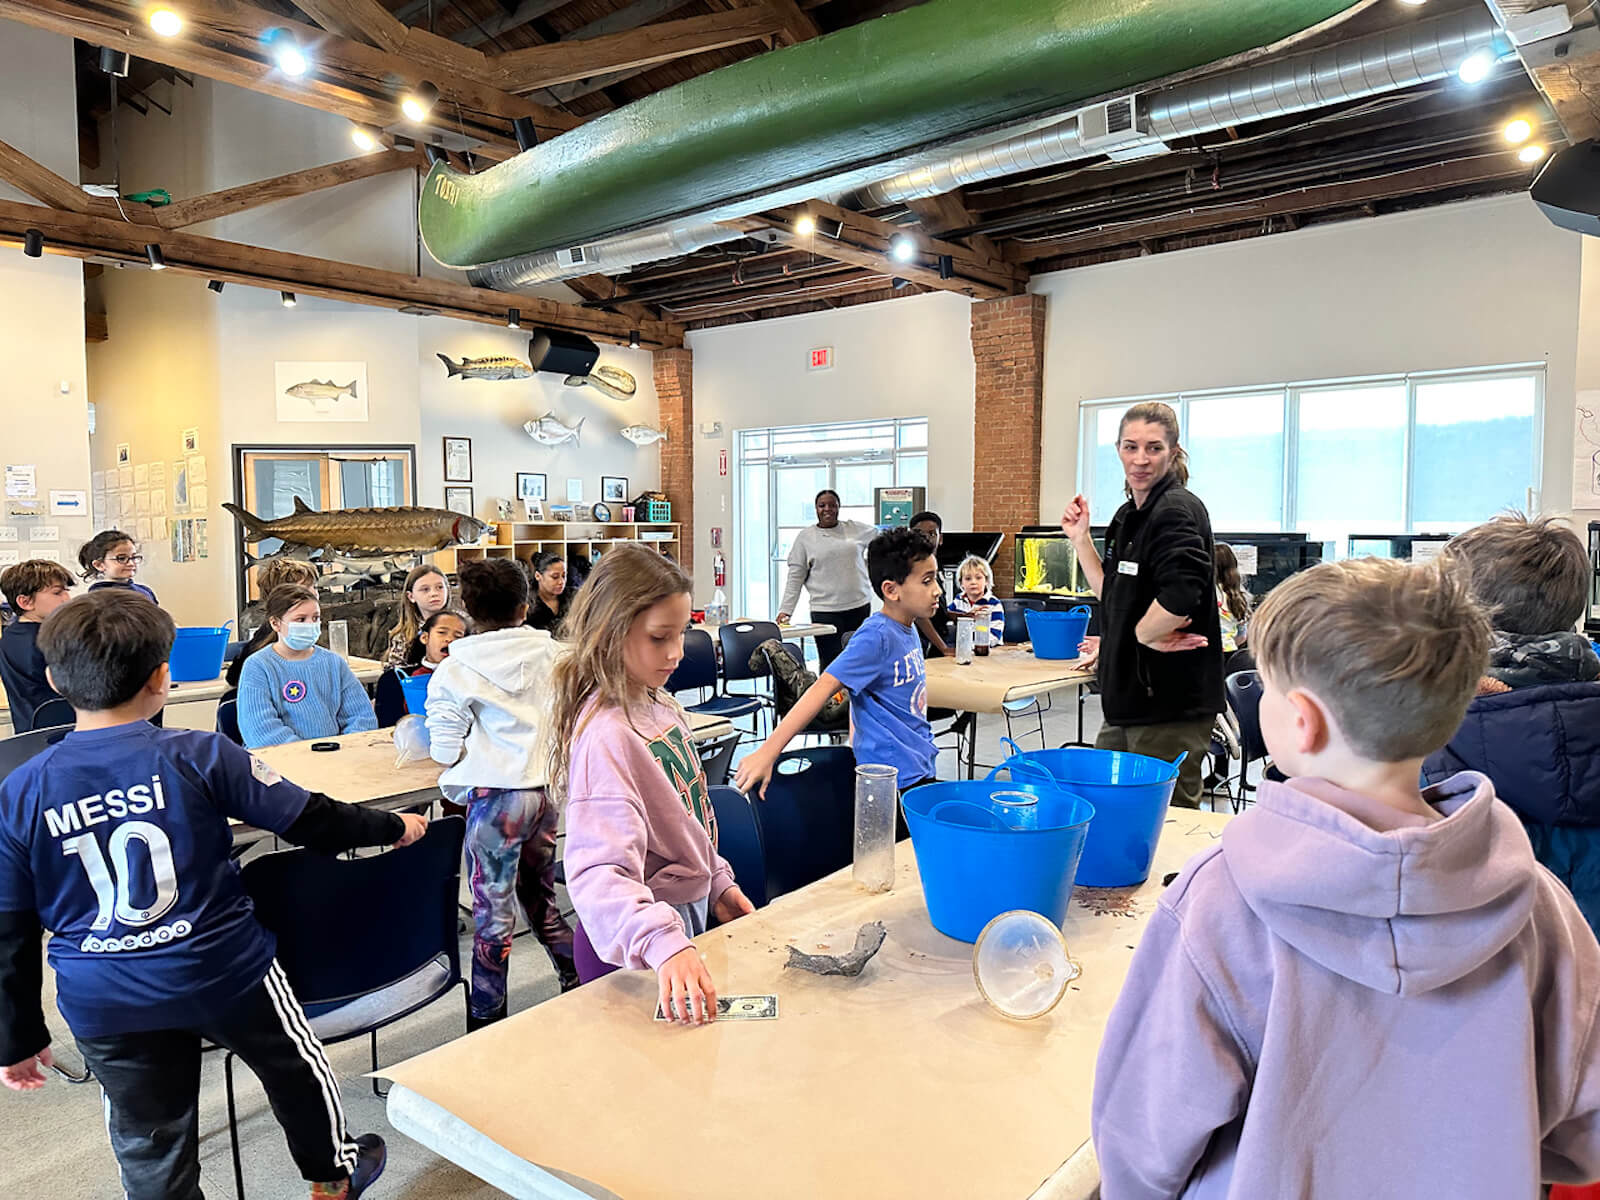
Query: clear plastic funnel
1021	965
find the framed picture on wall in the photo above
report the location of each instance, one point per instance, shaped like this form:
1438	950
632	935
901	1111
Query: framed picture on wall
614	489
457	460
459	499
530	485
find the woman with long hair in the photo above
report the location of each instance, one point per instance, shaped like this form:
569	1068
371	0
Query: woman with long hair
1160	650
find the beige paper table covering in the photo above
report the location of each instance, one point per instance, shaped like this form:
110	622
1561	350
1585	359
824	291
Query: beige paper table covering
899	1083
1007	673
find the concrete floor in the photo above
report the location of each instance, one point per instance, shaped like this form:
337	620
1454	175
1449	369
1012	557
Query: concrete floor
55	1138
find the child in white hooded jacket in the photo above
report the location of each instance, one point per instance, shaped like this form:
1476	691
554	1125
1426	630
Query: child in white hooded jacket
485	721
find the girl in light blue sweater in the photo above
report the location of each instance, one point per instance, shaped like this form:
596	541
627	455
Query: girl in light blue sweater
294	690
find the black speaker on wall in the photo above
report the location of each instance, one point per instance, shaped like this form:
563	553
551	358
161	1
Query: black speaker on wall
561	352
1568	188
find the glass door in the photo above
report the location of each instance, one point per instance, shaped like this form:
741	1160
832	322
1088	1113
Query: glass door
794	506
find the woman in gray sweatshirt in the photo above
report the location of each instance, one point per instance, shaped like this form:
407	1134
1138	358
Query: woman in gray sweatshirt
828	560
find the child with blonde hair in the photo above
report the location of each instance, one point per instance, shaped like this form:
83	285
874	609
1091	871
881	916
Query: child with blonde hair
1365	988
975	596
426	592
641	857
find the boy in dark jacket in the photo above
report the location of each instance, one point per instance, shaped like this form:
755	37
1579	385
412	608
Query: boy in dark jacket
1534	728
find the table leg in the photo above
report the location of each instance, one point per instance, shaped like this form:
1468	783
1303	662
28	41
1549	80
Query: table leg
972	745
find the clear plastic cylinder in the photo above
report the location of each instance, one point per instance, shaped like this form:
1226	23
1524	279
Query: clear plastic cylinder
965	634
877	804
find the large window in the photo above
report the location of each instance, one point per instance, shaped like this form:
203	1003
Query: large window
1422	453
780	472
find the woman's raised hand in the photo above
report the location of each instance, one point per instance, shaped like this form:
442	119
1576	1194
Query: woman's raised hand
1075	520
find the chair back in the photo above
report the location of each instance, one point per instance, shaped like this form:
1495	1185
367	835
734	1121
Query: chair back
1016	631
228	720
19	748
350	926
716	757
1244	697
53	714
697	670
807	819
232	650
739	642
739	841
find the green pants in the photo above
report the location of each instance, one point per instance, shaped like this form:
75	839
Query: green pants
1166	742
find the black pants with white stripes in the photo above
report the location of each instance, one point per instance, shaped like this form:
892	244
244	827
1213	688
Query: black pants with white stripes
151	1083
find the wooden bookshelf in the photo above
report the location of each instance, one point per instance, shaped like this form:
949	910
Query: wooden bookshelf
524	540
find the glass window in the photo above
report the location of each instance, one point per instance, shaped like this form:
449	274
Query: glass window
1104	488
1235	448
1350	474
1473	450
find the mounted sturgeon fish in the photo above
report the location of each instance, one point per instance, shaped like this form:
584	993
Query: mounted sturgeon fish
548	431
608	380
499	366
364	531
836	112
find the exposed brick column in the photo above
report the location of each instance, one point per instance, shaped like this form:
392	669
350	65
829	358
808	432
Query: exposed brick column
674	372
1008	421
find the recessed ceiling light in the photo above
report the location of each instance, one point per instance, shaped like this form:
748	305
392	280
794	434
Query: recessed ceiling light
291	59
1476	67
805	225
166	22
419	101
364	138
1531	154
902	249
1518	131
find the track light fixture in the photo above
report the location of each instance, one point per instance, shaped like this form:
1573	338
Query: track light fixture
365	137
633	339
513	318
215	285
419	101
115	62
527	133
902	249
897	283
291	60
805	225
287	299
435	155
947	266
33	243
153	255
165	22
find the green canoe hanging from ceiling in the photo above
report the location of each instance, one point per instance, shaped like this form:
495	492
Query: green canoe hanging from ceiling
866	95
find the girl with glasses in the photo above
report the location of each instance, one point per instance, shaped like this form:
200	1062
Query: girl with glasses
111	559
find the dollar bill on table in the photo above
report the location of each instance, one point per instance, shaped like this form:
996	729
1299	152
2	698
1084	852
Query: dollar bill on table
738	1008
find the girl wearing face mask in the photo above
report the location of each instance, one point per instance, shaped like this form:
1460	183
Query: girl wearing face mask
295	690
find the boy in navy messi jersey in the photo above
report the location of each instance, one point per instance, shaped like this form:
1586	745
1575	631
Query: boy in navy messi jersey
116	840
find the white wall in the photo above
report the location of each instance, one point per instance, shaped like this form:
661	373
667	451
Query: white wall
41	300
910	357
1464	285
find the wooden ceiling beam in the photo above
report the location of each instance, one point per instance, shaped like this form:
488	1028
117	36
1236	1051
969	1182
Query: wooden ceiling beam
778	294
225	41
1565	69
368	21
45	186
80	235
865	241
603	287
797	24
1417	181
942	213
297	183
563	62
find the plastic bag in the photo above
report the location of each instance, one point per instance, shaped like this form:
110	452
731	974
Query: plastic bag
411	743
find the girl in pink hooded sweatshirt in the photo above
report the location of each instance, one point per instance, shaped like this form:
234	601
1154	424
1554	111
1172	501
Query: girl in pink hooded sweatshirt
641	858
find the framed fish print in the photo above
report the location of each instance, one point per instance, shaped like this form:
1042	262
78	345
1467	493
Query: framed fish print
320	391
457	460
459	499
613	489
531	485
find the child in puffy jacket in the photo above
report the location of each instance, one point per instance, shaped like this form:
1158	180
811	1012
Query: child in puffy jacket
1534	728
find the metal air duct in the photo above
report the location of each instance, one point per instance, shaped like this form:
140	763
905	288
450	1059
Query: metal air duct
609	256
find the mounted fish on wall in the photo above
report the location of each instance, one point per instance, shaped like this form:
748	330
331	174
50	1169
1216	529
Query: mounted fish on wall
608	381
548	431
495	367
360	532
321	391
643	435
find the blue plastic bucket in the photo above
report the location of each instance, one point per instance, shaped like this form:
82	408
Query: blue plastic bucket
1057	634
1130	794
415	689
984	848
197	653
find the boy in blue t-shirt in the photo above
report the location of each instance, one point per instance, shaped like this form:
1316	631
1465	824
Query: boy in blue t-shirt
883	669
116	840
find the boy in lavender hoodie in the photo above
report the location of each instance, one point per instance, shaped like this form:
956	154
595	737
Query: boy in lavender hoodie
1364	990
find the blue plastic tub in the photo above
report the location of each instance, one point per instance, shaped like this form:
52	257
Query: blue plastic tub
984	848
1057	634
1130	794
415	689
197	653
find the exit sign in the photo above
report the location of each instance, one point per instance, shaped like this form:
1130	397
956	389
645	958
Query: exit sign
821	359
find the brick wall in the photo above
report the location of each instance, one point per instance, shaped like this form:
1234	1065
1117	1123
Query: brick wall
674	373
1008	351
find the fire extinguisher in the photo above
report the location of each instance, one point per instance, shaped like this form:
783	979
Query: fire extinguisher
719	571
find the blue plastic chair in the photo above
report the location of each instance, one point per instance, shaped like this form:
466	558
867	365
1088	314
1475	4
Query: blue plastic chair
53	714
227	722
807	818
716	757
739	841
19	748
698	672
1244	697
739	641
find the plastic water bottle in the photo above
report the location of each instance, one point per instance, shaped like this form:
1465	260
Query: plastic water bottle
981	632
964	639
339	638
877	802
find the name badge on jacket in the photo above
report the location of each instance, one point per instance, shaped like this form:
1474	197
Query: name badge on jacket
1127	568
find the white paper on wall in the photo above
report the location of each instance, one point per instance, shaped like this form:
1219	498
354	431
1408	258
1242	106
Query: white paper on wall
141	503
1248	559
197	499
22	481
141	475
141	531
125	477
197	469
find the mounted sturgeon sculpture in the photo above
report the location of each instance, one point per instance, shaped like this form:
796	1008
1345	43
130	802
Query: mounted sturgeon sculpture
836	112
363	531
608	381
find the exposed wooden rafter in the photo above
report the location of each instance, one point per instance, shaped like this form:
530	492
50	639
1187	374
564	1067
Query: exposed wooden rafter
1565	69
604	288
942	213
297	183
798	25
562	62
226	41
81	235
44	185
865	241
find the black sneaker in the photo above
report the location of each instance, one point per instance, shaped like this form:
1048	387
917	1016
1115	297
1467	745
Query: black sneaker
369	1164
566	971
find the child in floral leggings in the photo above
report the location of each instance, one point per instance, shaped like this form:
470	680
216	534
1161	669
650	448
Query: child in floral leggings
484	722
